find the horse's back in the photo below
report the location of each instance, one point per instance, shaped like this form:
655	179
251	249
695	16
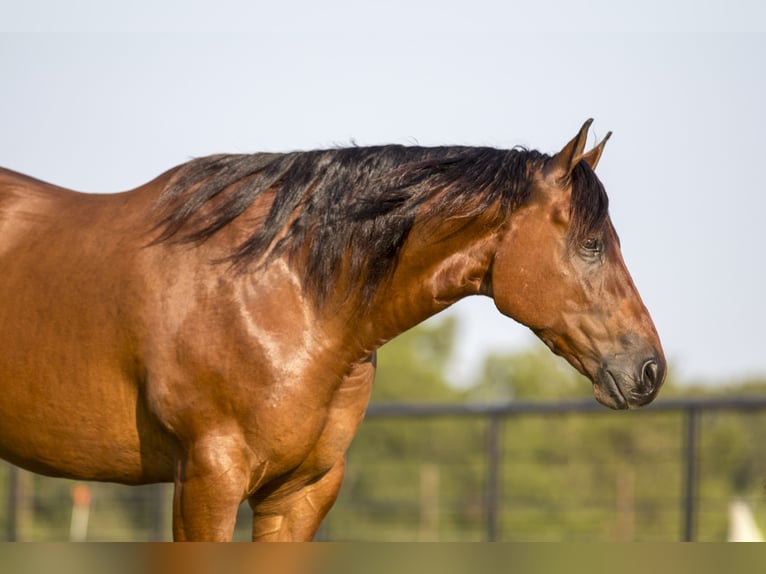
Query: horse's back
31	208
21	181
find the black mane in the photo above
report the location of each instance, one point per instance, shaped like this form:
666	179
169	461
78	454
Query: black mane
358	203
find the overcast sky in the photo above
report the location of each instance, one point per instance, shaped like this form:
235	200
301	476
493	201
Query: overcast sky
102	98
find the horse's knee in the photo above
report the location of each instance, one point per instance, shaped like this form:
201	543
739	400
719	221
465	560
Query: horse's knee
218	454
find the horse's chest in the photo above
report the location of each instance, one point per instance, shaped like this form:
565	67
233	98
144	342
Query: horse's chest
323	436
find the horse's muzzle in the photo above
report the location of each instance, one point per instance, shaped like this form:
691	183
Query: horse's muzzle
623	383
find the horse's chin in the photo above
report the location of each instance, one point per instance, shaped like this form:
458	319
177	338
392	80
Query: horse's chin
608	393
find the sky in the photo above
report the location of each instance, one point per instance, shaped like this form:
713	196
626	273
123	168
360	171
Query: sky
102	96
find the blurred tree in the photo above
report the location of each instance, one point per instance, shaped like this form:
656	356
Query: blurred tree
413	366
534	373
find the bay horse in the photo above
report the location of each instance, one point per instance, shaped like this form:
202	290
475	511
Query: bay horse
216	327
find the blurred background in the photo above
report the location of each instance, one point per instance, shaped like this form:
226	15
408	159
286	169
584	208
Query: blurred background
103	96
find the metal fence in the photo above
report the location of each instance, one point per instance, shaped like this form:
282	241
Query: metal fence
27	516
691	409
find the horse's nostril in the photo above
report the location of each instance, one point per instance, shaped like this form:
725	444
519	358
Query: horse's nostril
650	374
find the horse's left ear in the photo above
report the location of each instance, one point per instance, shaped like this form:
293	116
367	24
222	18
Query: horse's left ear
563	162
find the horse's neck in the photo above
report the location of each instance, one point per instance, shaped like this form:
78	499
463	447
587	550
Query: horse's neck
430	276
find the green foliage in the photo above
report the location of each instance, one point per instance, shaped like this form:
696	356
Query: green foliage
530	374
44	509
414	365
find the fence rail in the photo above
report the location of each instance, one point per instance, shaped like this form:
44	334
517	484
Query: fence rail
585	405
692	412
691	408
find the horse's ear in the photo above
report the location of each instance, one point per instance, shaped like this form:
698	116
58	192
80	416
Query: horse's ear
592	157
563	162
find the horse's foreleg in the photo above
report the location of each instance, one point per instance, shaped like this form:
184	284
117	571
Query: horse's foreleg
210	484
291	513
296	516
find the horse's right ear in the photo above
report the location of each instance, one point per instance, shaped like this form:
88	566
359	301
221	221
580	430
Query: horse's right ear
562	164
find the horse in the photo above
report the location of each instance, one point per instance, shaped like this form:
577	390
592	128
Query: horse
216	327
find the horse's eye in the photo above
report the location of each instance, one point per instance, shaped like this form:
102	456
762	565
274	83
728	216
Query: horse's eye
592	246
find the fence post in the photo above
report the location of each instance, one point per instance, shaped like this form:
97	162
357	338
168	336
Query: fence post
494	455
12	499
690	475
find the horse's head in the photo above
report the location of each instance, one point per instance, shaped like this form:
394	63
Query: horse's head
559	270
